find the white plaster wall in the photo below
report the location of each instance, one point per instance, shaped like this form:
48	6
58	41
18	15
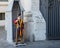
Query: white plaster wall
2	22
9	26
2	9
4	3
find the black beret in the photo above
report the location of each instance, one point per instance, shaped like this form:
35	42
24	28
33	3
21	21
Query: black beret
19	14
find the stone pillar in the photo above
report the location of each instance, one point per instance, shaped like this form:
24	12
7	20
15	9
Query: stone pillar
39	22
8	24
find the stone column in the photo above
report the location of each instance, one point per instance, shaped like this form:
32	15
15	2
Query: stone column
8	24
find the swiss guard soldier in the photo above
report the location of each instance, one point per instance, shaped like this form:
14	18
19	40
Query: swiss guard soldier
20	28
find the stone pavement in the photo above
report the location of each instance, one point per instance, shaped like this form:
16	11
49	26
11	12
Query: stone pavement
40	44
3	33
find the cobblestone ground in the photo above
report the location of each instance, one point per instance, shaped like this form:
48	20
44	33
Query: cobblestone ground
3	33
40	44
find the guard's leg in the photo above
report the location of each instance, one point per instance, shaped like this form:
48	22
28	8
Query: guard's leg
21	36
16	37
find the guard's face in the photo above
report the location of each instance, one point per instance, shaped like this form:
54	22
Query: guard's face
18	17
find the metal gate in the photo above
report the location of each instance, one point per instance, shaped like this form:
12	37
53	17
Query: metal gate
53	19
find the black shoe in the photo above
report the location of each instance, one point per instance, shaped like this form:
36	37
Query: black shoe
16	43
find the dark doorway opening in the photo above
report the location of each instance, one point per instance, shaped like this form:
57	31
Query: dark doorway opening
15	11
53	20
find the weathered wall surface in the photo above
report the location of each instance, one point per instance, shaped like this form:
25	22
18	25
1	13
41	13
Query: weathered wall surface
39	22
34	21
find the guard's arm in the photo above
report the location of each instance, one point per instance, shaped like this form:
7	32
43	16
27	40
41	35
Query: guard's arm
15	21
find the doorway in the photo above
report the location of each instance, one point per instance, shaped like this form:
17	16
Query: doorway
50	10
53	20
15	11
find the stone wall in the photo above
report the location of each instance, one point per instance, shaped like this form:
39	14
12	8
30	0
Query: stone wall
35	25
39	23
